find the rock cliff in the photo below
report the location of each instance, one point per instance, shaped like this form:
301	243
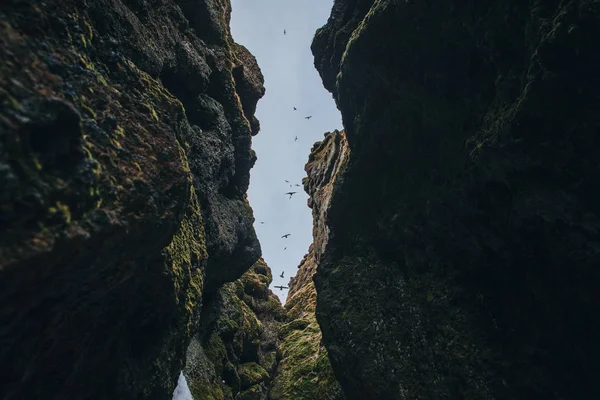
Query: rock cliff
125	132
463	245
304	371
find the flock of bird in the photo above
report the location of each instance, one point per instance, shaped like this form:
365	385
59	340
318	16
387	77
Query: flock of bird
290	194
287	235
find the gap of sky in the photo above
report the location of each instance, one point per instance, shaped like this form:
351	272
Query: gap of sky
290	81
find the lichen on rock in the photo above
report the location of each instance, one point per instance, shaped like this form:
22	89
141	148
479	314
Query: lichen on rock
124	162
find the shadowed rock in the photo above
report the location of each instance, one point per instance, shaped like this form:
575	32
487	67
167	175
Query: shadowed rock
462	252
118	212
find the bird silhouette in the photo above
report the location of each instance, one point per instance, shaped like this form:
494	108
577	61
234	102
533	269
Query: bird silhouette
297	185
282	287
309	117
284	31
286	236
295	108
291	193
282	272
296	139
285	248
261	222
286	181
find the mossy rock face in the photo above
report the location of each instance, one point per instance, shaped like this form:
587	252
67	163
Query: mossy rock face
110	203
304	371
256	392
297	324
468	268
234	355
251	374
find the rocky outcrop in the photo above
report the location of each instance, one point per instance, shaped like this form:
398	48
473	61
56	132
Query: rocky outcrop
235	353
304	371
125	131
463	246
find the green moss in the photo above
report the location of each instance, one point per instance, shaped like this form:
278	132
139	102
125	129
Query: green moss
153	112
304	371
216	352
238	338
89	30
187	249
37	163
297	324
154	90
87	109
119	131
209	391
137	166
251	374
61	209
101	79
256	392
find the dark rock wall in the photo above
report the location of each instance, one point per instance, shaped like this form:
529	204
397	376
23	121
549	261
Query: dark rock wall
234	356
304	371
125	132
463	247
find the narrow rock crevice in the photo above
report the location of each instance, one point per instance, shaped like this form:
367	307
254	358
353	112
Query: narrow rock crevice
455	218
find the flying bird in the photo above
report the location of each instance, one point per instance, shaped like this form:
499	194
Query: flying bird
282	272
282	287
291	193
286	181
286	236
296	139
261	222
297	185
285	248
284	32
295	108
309	117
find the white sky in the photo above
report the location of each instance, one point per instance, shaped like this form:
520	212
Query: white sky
291	81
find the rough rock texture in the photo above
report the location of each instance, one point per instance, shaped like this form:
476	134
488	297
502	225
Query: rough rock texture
125	131
462	259
235	353
304	371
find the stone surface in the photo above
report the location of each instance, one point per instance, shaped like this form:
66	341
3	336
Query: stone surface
125	132
463	246
304	371
234	354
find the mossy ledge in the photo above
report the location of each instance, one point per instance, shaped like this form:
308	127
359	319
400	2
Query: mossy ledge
463	251
124	144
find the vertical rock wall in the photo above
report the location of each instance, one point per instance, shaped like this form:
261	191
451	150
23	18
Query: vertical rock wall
464	233
125	132
304	371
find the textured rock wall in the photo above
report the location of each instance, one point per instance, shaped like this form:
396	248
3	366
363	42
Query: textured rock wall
234	356
125	131
304	371
463	246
